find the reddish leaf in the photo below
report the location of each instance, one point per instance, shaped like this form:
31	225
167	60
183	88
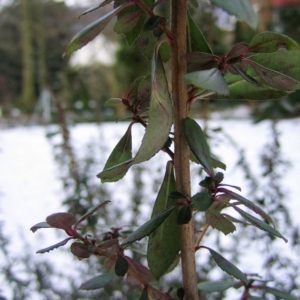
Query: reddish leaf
62	221
108	244
238	50
95	7
80	250
202	60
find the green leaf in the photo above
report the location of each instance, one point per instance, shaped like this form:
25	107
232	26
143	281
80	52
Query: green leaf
217	221
249	204
196	40
60	244
180	293
97	282
127	22
267	42
144	295
280	294
115	171
227	266
198	144
285	62
40	226
152	23
164	242
112	102
148	227
184	215
259	224
176	195
146	43
211	79
121	154
133	34
160	113
121	266
80	250
215	286
218	164
241	9
202	201
91	31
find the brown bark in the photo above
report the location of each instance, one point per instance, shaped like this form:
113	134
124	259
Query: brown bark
182	160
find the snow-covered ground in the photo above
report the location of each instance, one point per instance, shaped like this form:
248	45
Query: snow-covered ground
30	188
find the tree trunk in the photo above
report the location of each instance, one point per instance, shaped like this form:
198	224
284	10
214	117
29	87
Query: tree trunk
28	94
182	160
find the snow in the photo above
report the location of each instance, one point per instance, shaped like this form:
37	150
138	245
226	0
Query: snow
30	188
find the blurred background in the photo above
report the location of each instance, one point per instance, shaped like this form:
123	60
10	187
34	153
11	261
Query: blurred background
56	133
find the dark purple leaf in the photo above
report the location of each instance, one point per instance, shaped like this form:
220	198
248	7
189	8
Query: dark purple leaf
108	244
184	215
80	250
237	50
152	23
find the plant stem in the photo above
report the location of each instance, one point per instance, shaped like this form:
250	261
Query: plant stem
202	234
181	159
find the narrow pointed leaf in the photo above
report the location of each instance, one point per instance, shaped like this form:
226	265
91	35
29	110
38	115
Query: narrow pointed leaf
184	215
91	212
148	227
198	144
160	113
267	42
241	9
40	225
280	294
121	266
196	40
211	80
227	266
249	204
121	153
164	242
217	221
215	286
91	31
60	244
202	201
218	164
260	224
97	282
95	7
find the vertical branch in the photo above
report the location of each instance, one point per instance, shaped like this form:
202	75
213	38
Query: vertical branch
182	159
